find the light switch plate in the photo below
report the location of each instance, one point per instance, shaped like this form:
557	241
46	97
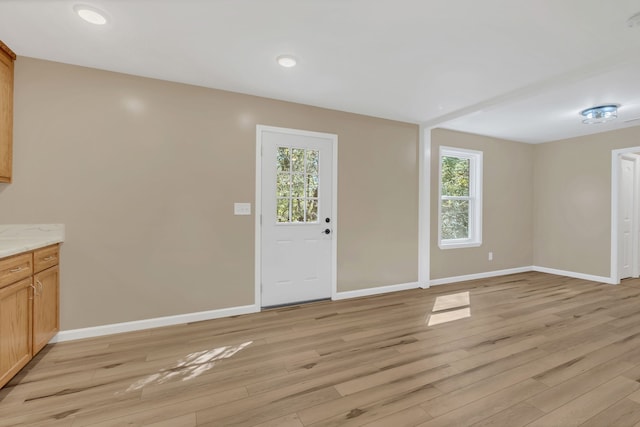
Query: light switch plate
242	208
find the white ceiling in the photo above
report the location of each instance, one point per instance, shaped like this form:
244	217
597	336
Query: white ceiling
514	69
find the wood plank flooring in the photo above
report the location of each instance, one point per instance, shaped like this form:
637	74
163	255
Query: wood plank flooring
529	349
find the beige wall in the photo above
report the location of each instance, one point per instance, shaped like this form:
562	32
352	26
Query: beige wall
144	174
507	222
561	219
572	201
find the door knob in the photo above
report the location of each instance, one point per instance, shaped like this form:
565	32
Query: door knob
327	231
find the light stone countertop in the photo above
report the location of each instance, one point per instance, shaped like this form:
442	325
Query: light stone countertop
18	238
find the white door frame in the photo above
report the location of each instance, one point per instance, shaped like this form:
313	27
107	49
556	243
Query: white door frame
635	270
258	207
627	198
615	204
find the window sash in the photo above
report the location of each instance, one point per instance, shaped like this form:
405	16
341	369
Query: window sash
474	213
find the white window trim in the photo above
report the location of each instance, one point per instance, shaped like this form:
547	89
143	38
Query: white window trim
475	203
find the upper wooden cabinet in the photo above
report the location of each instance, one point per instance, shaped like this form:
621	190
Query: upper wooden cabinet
6	112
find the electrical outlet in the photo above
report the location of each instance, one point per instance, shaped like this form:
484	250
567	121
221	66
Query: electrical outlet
490	256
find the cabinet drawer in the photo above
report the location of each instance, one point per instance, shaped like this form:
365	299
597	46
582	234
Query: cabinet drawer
15	268
45	258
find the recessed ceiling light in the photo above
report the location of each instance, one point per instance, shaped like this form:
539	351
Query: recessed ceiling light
90	14
287	61
599	114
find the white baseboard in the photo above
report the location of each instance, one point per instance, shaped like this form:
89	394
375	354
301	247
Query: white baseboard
591	277
496	273
116	328
484	275
375	291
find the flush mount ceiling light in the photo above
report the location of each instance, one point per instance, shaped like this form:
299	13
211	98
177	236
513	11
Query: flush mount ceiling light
599	114
286	61
634	21
90	14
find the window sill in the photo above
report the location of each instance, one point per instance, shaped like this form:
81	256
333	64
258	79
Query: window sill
459	245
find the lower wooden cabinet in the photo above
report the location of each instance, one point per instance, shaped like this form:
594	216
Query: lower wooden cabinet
46	319
29	307
15	328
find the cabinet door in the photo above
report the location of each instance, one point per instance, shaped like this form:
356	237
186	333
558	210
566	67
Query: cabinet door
45	307
6	116
15	328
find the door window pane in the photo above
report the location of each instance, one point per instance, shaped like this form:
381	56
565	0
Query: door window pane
312	161
297	210
284	185
282	207
297	185
312	210
297	159
312	185
283	159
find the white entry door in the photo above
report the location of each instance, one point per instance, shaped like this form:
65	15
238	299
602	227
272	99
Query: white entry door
297	207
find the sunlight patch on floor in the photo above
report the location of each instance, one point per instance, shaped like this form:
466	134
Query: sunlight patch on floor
189	367
447	302
448	316
448	308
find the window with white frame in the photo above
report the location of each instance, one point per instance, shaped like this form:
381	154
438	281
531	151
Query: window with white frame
460	202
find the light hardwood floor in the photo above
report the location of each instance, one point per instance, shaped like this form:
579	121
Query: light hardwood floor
535	350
